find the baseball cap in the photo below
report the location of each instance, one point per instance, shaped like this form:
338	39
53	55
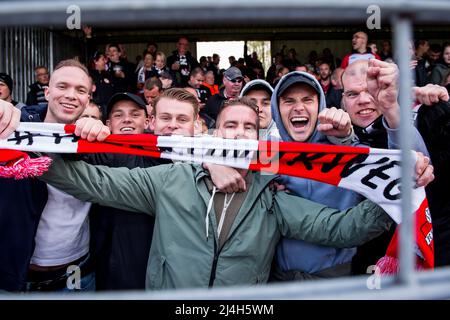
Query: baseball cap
233	73
6	79
297	78
258	86
125	96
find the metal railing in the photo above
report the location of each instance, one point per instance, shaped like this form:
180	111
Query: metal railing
22	49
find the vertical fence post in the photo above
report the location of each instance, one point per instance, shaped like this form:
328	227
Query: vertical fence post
402	38
50	51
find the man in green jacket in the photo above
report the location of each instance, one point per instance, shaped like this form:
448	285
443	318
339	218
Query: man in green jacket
205	238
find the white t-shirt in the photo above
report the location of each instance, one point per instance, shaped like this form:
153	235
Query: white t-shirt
63	232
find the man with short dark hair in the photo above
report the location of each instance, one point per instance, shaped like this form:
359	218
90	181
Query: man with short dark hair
260	92
121	70
196	81
433	56
214	67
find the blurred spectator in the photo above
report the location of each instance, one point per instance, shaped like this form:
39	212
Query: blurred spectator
386	51
36	94
166	80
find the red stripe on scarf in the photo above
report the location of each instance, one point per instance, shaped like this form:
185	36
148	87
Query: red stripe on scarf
424	231
323	163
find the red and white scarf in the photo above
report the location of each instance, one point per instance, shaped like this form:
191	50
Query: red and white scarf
374	173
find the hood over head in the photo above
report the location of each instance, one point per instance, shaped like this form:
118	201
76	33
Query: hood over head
285	82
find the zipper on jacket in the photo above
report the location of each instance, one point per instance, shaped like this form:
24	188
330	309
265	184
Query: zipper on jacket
212	276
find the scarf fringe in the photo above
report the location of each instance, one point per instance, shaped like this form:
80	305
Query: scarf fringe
389	265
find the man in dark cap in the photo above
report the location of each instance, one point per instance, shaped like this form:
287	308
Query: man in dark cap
232	86
6	88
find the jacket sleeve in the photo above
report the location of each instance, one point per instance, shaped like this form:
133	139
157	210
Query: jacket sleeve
122	188
305	220
394	139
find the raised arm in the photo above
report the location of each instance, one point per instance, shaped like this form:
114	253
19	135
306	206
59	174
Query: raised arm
132	190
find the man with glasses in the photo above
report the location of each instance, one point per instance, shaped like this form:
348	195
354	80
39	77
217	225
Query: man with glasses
181	62
232	86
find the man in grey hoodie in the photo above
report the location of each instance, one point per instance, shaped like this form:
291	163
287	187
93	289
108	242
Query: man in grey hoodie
298	106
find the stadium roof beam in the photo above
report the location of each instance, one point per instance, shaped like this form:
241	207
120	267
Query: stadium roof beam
235	12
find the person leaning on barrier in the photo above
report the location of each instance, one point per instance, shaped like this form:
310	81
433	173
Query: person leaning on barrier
189	251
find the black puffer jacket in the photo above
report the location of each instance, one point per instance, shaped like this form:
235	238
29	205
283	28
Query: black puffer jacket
433	123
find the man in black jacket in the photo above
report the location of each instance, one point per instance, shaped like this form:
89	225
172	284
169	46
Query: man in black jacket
120	241
181	63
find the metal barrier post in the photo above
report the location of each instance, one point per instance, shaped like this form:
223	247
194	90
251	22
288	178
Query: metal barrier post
402	37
